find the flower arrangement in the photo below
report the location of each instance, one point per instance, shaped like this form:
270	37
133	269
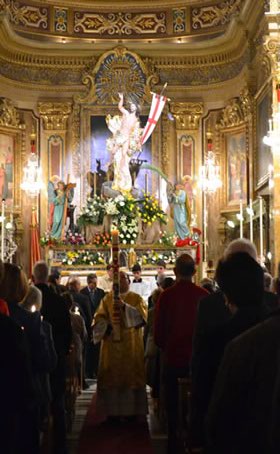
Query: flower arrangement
152	257
71	238
83	258
94	211
167	239
150	210
101	239
128	229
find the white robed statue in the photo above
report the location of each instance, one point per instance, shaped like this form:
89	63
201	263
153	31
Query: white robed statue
125	142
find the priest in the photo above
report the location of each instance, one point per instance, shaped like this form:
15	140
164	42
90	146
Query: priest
121	374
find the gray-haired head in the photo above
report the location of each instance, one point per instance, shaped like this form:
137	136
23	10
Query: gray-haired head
33	298
241	245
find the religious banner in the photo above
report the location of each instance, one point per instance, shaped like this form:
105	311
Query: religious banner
158	103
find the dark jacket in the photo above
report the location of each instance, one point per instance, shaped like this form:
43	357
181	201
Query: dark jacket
94	297
83	303
211	352
56	314
244	410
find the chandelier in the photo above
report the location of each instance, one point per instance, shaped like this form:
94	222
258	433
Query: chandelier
32	173
209	174
272	139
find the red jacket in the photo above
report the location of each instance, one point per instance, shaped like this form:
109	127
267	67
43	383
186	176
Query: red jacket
175	315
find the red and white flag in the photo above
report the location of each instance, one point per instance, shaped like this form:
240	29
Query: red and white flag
158	103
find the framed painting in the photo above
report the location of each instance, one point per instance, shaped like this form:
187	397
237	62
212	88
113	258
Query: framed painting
7	157
236	166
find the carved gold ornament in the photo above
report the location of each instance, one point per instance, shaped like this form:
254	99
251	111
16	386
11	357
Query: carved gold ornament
55	115
214	15
187	114
119	23
8	113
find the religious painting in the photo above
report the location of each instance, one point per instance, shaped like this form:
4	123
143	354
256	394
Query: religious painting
264	155
100	156
55	156
236	162
186	146
7	168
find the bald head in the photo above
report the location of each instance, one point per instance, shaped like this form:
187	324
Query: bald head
184	267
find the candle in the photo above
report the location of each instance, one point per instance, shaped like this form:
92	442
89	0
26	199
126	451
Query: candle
251	213
261	230
3	230
33	308
241	219
204	234
146	183
94	183
116	319
159	190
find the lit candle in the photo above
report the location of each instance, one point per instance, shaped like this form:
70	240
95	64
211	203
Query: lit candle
33	308
261	230
3	230
251	220
146	183
116	319
241	219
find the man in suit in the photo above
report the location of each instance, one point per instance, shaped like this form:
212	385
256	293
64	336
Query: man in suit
95	296
94	293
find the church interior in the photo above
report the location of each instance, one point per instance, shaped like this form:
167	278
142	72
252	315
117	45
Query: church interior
132	134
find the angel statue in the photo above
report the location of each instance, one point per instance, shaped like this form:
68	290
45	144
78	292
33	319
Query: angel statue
125	142
178	197
60	198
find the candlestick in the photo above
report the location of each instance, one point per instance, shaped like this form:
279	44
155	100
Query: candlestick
94	183
261	230
204	234
241	219
3	230
251	220
116	287
146	183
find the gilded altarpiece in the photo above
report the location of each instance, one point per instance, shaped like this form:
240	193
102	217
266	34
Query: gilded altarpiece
116	71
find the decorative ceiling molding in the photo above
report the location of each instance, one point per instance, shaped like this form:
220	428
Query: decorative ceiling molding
108	21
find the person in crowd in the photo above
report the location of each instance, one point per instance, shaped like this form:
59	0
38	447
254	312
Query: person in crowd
93	292
240	278
161	269
81	300
56	314
175	316
79	337
106	282
95	295
166	283
270	299
13	289
152	352
83	304
17	390
208	284
33	302
54	282
243	415
138	284
121	373
212	310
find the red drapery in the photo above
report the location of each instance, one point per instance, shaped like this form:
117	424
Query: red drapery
35	251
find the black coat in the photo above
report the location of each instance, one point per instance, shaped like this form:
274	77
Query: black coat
244	411
55	312
94	297
83	303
